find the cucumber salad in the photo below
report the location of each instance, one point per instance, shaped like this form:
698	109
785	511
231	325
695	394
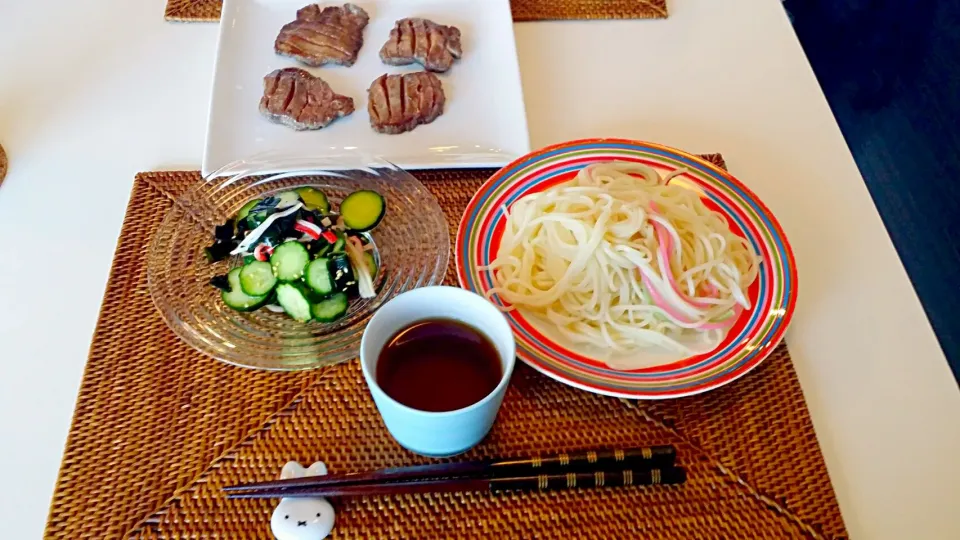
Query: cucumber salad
299	257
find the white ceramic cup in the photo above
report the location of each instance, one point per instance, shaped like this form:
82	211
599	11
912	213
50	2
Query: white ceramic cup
437	434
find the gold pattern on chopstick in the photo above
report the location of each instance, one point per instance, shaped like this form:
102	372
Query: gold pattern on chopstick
537	462
542	481
618	455
646	452
598	479
571	480
591	457
655	476
628	478
564	459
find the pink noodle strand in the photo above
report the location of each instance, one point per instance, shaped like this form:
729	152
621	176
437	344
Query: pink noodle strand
665	248
660	301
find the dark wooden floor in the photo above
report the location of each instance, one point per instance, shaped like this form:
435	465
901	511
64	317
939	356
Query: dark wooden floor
891	73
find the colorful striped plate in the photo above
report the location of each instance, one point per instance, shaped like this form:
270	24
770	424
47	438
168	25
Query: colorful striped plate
748	342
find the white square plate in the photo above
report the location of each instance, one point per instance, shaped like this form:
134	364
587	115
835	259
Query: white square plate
483	124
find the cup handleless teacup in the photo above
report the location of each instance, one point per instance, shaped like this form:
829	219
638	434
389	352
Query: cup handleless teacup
437	434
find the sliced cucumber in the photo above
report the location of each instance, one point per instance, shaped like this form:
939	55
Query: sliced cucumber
236	298
318	276
289	260
338	246
371	264
343	278
314	199
257	279
245	209
330	309
294	301
287	199
362	210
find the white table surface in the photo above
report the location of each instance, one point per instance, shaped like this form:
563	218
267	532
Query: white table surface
106	89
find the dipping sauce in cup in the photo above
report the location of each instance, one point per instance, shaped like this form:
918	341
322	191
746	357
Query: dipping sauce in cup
438	365
437	361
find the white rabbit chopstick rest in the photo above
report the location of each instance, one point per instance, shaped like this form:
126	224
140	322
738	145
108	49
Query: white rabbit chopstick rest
302	518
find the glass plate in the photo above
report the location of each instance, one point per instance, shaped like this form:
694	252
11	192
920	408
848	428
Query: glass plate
412	243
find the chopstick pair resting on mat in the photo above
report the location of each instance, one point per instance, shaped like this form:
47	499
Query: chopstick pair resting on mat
601	468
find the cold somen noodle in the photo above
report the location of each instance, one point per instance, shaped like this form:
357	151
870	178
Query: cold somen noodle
621	259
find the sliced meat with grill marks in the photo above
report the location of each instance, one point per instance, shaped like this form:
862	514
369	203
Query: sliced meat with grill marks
399	103
331	35
295	98
432	45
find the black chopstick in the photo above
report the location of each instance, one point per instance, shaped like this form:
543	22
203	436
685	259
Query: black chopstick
632	458
542	482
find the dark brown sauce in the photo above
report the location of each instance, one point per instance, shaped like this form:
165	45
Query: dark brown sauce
438	365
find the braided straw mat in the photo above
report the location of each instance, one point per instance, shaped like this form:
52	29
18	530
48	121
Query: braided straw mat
523	10
3	164
159	428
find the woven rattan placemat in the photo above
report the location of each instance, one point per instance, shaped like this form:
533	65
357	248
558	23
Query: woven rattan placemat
3	164
523	10
158	428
